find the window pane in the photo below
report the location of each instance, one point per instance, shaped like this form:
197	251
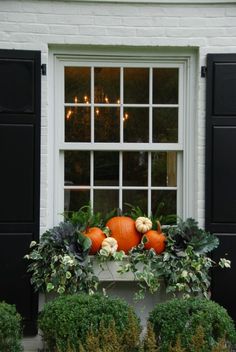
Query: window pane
77	124
135	168
77	168
107	85
136	85
77	84
75	199
165	125
136	198
136	125
107	124
165	86
163	202
164	168
105	200
106	168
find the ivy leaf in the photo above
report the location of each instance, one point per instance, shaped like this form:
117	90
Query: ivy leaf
84	241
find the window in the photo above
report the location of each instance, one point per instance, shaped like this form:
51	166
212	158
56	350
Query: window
119	133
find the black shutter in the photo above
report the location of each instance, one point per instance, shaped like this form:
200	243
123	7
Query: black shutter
221	143
20	92
221	171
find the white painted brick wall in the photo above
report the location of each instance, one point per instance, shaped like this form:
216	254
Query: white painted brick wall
36	24
33	25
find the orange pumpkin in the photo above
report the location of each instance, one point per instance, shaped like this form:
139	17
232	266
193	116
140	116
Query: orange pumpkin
155	239
96	236
124	231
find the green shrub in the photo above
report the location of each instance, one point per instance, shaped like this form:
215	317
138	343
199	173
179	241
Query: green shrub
180	317
10	328
67	320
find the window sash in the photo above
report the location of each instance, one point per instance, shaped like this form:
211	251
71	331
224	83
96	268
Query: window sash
61	146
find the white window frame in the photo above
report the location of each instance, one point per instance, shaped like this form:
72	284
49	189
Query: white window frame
135	57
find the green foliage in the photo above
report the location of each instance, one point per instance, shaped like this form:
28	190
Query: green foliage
69	320
221	346
183	267
187	233
180	317
198	340
60	262
10	329
84	218
177	347
149	341
135	211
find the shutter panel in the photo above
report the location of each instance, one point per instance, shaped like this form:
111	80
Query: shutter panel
221	171
20	90
221	143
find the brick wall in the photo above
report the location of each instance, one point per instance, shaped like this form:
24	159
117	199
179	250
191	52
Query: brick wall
33	25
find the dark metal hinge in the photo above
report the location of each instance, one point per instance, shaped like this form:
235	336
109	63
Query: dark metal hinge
203	71
44	69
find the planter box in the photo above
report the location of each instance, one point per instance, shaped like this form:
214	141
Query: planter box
108	271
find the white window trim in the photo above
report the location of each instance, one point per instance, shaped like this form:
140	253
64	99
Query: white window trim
185	58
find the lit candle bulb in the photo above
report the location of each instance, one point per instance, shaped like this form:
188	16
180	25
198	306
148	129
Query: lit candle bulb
68	115
118	101
76	100
86	99
97	112
106	99
126	116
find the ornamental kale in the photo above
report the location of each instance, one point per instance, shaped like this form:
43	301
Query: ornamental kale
60	262
187	233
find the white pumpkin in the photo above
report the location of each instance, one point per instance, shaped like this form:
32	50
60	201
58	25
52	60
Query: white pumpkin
110	245
143	224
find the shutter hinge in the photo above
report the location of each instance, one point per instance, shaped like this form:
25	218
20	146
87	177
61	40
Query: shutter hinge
203	71
44	69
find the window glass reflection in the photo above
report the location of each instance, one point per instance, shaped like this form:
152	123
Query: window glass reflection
106	168
107	124
136	125
165	125
164	202
165	85
77	124
135	168
107	85
105	200
77	84
164	169
136	85
77	168
75	199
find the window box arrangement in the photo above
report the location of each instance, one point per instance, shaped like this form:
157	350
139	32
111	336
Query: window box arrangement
178	255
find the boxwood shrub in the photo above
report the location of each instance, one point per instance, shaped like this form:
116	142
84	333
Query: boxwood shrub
180	318
10	328
67	320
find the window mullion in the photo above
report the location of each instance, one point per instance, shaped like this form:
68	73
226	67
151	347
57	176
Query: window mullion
149	203
92	105
120	180
121	104
150	102
92	179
